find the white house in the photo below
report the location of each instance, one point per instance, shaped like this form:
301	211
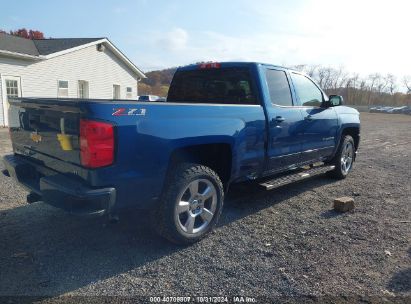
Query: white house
64	68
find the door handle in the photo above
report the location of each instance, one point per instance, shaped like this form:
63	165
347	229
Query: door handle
308	117
278	119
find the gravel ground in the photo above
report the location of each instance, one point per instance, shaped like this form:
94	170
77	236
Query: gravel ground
286	244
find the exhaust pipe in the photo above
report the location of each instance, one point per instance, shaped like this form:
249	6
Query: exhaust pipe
33	197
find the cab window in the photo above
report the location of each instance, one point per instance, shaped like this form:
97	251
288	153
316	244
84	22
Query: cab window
213	86
278	88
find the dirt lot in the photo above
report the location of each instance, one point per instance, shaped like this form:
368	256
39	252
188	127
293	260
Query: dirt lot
283	243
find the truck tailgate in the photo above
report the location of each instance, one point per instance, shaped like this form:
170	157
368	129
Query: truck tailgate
45	127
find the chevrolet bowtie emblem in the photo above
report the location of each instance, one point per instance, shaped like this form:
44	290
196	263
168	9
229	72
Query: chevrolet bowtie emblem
36	137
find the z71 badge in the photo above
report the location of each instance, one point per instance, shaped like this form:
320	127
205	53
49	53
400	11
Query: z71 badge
129	112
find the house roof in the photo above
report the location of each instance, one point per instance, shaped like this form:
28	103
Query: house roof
16	44
50	46
39	49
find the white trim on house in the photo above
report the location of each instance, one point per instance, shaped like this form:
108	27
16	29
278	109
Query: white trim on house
119	90
85	85
129	95
60	90
76	48
4	94
20	55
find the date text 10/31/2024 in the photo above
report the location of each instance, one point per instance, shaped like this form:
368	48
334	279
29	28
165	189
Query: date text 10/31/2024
202	299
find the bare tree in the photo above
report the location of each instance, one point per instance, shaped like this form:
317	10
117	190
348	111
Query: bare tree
363	90
391	81
374	86
351	88
407	83
311	70
321	76
299	67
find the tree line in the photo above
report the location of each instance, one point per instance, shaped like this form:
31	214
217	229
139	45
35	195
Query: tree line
24	33
157	82
373	89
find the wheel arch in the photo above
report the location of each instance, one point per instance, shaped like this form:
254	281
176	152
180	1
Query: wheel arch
217	156
354	132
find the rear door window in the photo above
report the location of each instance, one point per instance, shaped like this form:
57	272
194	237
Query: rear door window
215	86
278	88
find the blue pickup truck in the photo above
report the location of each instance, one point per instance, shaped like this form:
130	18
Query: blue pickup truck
223	123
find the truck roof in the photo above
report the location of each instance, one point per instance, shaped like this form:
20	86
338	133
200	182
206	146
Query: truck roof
229	64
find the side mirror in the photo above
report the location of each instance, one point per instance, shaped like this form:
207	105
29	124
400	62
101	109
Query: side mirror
335	100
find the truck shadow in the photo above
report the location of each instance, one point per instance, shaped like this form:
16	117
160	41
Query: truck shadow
44	252
401	281
248	198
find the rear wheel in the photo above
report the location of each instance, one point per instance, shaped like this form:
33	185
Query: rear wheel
191	204
344	158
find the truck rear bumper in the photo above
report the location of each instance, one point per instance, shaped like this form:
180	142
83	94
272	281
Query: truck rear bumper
60	190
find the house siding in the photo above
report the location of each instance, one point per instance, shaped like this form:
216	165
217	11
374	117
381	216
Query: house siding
100	69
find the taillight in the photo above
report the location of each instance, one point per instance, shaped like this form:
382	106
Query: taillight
96	143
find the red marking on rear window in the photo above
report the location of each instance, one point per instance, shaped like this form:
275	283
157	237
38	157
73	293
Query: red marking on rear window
210	65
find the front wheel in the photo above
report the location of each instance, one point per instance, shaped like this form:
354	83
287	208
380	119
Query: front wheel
344	158
191	204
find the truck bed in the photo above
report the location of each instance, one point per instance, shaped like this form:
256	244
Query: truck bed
146	134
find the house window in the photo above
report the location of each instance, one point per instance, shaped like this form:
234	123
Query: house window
83	90
129	92
116	91
62	90
12	88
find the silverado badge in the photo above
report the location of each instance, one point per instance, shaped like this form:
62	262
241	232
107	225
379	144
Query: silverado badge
36	137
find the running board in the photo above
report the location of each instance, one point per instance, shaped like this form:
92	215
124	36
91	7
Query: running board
294	177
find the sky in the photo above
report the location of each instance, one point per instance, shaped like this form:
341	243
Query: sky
359	35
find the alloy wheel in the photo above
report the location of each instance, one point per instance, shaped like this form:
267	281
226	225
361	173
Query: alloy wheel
196	206
347	157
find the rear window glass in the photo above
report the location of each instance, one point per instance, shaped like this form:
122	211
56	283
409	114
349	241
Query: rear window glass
225	85
278	87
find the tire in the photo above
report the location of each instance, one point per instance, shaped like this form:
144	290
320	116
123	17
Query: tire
191	204
343	159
